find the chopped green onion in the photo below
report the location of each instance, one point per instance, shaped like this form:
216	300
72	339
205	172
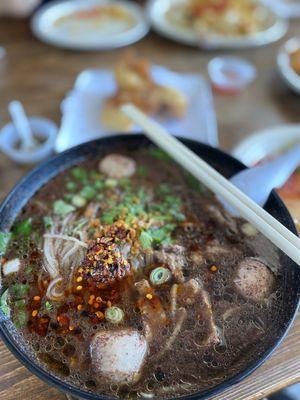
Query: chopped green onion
4	307
62	208
114	315
79	174
98	185
110	183
142	171
23	227
88	192
145	240
4	240
71	186
160	275
48	222
78	201
49	306
95	175
159	154
68	197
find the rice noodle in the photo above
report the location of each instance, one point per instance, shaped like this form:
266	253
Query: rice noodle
182	316
65	237
173	298
52	292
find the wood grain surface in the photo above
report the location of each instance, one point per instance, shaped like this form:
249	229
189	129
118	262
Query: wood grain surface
40	76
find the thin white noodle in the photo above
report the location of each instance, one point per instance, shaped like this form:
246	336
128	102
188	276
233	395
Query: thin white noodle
177	328
173	295
69	253
65	237
51	263
51	293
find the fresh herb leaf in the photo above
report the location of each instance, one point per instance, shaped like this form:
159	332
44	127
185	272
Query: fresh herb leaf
48	222
19	318
88	192
23	227
71	186
80	174
18	290
4	240
20	304
145	240
60	207
4	307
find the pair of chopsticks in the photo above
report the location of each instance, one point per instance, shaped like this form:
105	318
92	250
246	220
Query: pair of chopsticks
256	215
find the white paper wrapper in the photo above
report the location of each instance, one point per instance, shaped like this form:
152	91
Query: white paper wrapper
82	107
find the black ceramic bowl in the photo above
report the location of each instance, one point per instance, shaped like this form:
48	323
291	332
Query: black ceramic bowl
222	162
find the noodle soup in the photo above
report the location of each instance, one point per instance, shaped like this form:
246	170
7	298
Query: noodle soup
126	277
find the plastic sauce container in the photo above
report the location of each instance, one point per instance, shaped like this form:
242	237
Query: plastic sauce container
230	75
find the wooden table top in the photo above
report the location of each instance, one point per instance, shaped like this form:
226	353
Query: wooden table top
40	76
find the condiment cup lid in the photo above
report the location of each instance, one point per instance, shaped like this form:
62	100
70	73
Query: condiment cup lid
43	130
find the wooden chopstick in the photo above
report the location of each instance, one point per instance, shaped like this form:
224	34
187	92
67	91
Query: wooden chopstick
256	215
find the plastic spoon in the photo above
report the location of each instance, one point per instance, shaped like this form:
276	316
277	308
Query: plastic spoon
22	125
258	182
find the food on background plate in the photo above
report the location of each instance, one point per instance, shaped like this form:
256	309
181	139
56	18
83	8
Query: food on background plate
290	194
135	85
125	276
219	17
108	18
295	60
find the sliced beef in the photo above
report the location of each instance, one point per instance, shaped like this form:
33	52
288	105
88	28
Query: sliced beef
253	279
153	314
191	293
118	356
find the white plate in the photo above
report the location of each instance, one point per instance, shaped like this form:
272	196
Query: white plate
79	35
285	8
157	10
284	66
82	107
266	143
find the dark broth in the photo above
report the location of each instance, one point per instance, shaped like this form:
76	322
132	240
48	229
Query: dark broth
58	333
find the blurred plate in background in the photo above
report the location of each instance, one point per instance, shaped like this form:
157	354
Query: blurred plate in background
157	11
81	119
90	24
289	75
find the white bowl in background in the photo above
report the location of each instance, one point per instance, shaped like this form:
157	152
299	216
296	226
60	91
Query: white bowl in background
42	129
266	143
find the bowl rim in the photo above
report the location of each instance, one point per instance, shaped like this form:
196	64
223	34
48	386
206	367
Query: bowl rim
53	381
